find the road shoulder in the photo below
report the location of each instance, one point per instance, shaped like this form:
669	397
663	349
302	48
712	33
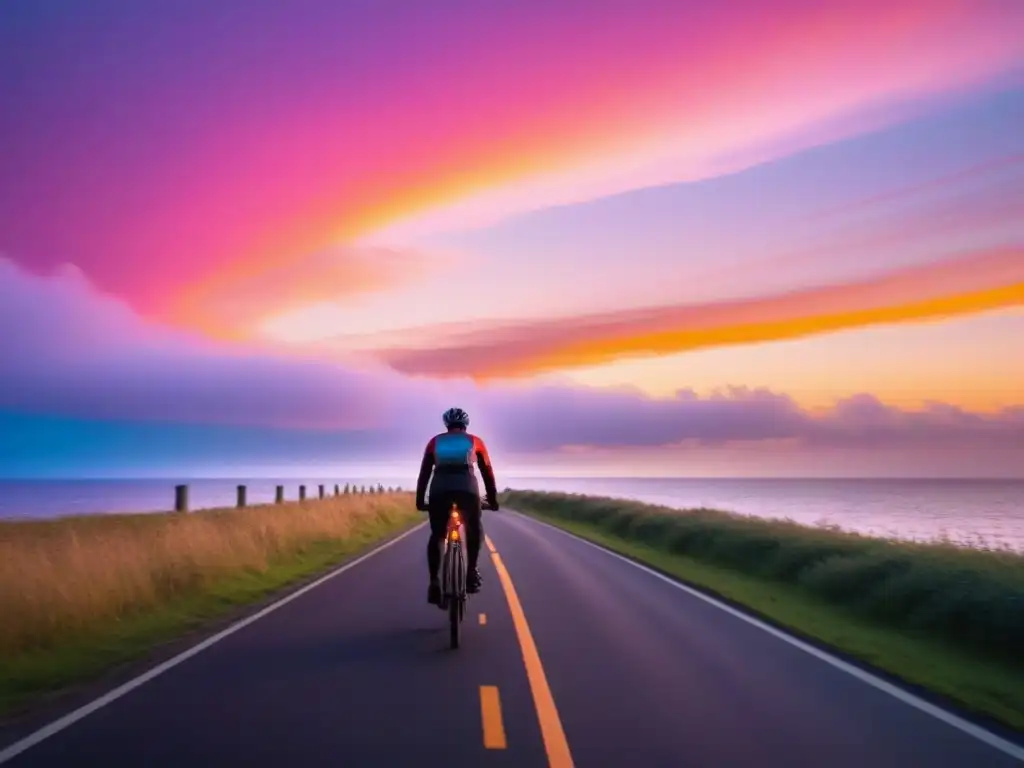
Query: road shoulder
969	687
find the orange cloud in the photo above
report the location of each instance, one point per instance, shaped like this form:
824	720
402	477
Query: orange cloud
967	284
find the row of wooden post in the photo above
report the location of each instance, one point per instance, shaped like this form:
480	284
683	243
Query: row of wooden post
181	493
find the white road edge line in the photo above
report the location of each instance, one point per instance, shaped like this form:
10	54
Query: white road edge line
15	749
987	737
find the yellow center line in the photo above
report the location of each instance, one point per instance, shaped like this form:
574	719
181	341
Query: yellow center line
483	619
555	743
490	711
489	543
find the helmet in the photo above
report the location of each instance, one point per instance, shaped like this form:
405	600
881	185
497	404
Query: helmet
455	417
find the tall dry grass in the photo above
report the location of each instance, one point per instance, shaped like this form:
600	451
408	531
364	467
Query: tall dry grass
60	578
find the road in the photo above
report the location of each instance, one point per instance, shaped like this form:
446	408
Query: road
357	672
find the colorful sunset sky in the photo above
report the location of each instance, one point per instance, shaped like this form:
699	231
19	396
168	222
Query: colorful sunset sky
758	238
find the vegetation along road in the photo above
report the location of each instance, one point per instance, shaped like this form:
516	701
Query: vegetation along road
572	655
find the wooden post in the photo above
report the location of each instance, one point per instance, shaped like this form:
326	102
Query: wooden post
279	495
241	496
181	498
302	493
336	490
347	489
321	490
362	489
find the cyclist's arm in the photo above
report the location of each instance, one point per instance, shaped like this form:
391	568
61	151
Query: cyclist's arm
483	461
426	467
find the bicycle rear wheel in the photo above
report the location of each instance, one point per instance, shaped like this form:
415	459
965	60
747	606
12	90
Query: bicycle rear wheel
446	569
456	588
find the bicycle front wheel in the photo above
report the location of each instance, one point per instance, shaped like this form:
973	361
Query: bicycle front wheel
446	569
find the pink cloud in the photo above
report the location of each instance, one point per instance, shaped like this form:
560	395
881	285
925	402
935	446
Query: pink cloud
334	274
173	163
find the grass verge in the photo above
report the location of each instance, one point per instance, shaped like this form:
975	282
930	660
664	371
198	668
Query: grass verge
833	588
81	595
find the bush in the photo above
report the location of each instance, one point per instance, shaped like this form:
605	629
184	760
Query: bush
973	599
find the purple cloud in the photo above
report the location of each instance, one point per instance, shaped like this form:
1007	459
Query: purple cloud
70	350
554	417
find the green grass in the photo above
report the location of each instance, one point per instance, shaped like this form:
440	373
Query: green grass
33	672
935	616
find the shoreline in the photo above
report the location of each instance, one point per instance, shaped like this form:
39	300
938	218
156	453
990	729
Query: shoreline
975	513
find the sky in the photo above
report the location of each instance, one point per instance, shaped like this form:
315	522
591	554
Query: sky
762	238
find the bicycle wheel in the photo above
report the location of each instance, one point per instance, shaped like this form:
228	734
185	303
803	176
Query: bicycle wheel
461	574
446	569
455	596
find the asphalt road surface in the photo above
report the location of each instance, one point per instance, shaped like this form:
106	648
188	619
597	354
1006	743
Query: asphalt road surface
570	656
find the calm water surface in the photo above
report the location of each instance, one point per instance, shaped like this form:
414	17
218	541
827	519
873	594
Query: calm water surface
975	512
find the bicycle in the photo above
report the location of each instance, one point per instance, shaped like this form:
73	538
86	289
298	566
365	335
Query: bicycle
453	575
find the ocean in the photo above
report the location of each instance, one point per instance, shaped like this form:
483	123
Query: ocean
972	512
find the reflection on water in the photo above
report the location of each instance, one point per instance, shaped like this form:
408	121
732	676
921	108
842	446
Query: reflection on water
973	512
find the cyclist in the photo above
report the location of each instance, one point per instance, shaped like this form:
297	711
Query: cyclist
450	457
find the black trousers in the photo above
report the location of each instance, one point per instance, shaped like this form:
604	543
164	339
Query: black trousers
438	509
